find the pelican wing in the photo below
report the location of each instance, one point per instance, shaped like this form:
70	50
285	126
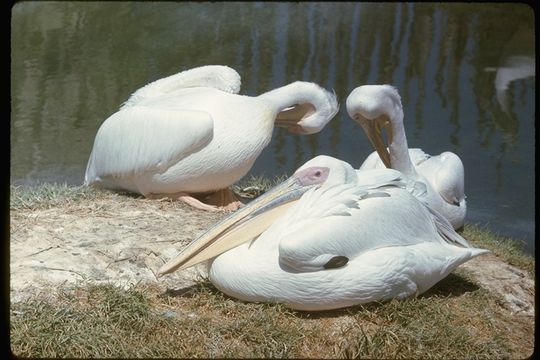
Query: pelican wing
373	161
445	229
138	139
214	76
377	176
331	224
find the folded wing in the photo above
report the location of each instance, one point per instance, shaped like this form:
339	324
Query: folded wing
139	138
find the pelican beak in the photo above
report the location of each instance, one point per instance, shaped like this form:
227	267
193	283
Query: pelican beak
291	117
373	129
241	226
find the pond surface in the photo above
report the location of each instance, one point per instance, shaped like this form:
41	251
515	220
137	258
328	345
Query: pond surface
466	74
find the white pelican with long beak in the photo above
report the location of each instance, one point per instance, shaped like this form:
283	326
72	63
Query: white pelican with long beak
191	134
378	107
348	240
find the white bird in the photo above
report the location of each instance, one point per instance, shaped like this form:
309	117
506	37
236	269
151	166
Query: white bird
191	134
377	107
348	240
513	68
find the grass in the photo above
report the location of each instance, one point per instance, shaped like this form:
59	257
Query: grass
455	319
508	249
256	185
49	195
105	321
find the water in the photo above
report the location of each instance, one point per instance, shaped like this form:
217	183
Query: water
465	73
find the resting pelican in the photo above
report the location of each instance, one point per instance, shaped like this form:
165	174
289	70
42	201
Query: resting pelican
377	107
191	134
348	240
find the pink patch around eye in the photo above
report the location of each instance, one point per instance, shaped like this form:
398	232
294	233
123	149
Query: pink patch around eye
312	175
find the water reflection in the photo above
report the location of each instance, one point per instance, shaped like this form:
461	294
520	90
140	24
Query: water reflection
463	70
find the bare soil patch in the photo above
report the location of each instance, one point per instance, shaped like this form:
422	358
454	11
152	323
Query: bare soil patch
112	239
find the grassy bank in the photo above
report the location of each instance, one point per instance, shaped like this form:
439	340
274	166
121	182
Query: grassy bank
458	318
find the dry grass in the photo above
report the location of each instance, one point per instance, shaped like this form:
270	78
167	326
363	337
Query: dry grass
456	319
256	185
49	195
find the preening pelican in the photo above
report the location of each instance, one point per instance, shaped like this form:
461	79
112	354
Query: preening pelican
191	133
348	240
377	107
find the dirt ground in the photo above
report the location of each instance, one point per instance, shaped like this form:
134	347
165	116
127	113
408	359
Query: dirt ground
124	240
112	239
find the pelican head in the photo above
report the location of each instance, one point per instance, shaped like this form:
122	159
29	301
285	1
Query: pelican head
449	181
374	108
314	110
253	219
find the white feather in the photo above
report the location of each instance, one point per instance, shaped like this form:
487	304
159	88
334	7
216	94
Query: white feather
191	132
163	137
211	76
395	244
442	175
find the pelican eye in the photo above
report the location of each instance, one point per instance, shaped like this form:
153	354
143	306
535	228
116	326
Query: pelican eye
312	176
336	262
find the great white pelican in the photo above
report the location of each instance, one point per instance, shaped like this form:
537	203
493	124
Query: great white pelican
327	238
191	134
378	107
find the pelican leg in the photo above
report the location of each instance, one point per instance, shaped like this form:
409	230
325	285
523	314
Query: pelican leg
185	197
196	203
224	199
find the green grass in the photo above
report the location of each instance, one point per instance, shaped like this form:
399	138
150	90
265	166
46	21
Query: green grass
508	249
104	321
454	320
417	328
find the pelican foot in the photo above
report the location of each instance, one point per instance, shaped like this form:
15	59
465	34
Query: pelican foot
185	197
224	199
196	203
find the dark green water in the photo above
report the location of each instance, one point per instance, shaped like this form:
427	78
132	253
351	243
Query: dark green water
465	73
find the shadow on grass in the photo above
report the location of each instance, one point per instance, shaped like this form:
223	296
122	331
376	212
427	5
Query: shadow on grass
451	286
194	290
125	193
